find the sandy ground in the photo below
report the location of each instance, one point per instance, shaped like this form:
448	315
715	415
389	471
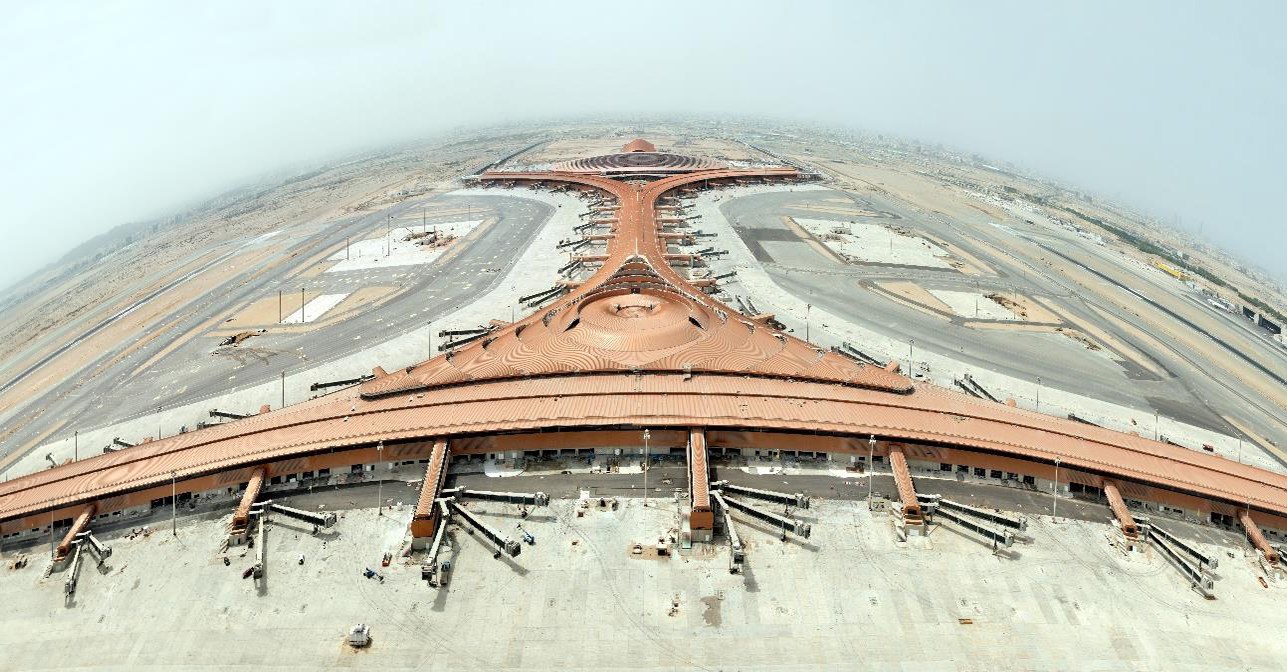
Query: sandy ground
918	295
531	272
268	310
791	310
876	243
395	249
58	308
974	305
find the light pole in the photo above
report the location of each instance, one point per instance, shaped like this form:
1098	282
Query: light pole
430	323
158	423
379	488
174	505
911	361
871	465
647	435
76	446
1038	394
808	309
1054	494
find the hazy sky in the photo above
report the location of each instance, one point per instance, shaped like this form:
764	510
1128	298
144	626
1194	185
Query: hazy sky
118	112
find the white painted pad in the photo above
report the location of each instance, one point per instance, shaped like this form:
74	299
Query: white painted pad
315	309
392	250
965	303
878	244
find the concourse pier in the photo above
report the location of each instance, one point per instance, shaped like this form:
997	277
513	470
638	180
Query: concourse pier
701	518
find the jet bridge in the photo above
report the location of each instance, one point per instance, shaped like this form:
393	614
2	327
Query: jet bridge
322	520
1257	539
79	525
970	518
241	517
1118	505
426	520
979	389
1185	558
504	545
1202	559
1015	523
700	516
797	500
228	415
73	576
779	521
99	549
321	385
737	552
523	498
430	569
906	490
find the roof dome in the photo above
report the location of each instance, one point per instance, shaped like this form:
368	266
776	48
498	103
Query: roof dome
639	145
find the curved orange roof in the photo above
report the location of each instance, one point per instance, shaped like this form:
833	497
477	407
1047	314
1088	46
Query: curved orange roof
637	344
639	145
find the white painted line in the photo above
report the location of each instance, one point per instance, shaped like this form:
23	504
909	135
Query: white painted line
314	309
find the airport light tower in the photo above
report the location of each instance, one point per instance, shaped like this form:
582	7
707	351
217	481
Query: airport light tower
646	436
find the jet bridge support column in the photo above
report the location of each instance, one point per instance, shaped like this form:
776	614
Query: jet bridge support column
427	517
1118	505
912	514
701	519
241	518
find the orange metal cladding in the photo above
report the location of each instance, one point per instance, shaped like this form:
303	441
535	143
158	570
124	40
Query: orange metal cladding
906	491
701	516
639	145
1118	505
241	518
79	525
1258	538
636	344
425	522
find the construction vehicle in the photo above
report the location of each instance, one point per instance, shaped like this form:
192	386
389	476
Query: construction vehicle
360	636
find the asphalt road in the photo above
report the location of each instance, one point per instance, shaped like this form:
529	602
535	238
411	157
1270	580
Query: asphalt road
190	373
1190	391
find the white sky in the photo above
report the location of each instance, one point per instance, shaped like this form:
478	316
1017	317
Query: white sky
115	112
